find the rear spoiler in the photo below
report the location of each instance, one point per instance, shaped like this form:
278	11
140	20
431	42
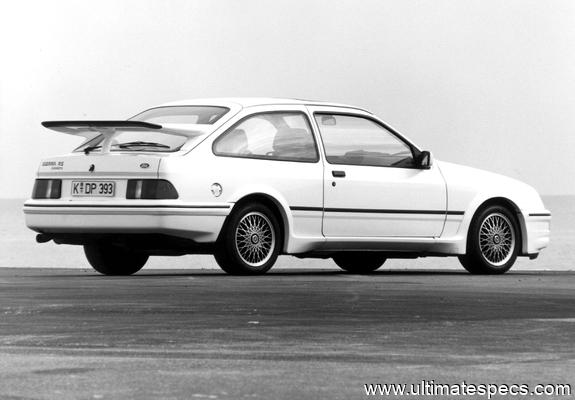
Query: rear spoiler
109	128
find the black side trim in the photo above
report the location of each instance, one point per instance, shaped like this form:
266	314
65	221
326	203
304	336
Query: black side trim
105	124
455	212
119	206
540	215
298	208
376	211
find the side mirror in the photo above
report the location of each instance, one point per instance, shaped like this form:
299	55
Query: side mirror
424	161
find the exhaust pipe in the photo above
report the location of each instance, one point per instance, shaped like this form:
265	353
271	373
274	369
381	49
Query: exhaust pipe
43	238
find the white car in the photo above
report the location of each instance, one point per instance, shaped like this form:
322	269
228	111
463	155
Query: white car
248	179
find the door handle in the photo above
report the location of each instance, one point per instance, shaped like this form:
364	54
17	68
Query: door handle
338	174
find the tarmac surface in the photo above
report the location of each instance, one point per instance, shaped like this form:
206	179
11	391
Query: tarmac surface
290	334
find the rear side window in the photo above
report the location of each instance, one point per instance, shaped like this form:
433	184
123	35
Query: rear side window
354	140
283	136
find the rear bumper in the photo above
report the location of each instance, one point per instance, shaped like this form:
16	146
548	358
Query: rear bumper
199	222
538	230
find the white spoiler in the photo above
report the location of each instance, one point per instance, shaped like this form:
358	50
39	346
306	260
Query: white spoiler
109	128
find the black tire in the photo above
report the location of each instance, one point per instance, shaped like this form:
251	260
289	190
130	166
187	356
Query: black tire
108	259
359	262
493	242
245	249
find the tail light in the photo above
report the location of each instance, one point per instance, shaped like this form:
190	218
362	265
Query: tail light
150	189
47	189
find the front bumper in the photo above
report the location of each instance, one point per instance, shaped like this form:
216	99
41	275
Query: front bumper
199	222
538	231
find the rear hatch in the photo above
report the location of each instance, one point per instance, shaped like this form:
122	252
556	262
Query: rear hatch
117	156
98	177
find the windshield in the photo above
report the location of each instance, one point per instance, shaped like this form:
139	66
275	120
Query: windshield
202	115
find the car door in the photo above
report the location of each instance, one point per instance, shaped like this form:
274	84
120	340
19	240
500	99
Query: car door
372	186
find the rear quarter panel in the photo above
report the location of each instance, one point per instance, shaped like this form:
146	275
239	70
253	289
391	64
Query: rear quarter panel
289	183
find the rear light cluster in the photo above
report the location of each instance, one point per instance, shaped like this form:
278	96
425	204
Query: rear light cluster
151	189
145	189
47	189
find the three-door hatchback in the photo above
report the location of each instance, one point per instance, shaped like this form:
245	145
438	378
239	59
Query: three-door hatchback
250	179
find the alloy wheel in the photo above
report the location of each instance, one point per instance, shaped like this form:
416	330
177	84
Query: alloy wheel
255	239
496	239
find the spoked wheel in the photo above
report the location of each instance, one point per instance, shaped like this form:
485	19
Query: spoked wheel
108	259
496	239
251	241
255	239
359	262
493	242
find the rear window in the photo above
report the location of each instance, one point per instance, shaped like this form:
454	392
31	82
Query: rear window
144	140
137	141
202	115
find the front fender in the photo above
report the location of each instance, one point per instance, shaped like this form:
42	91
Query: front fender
468	189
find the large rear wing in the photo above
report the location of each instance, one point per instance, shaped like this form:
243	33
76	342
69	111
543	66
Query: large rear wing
109	128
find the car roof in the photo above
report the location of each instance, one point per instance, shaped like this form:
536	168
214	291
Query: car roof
255	101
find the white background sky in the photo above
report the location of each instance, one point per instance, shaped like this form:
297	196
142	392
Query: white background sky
489	84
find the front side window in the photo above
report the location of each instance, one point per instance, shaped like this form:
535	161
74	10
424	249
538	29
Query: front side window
284	136
354	140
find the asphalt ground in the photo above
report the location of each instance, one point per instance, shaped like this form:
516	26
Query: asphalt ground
291	334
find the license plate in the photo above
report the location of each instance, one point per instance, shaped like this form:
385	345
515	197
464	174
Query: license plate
93	188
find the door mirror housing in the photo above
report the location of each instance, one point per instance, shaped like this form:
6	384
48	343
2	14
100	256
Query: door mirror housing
424	161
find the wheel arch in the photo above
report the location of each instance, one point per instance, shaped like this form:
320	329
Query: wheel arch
515	210
273	204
